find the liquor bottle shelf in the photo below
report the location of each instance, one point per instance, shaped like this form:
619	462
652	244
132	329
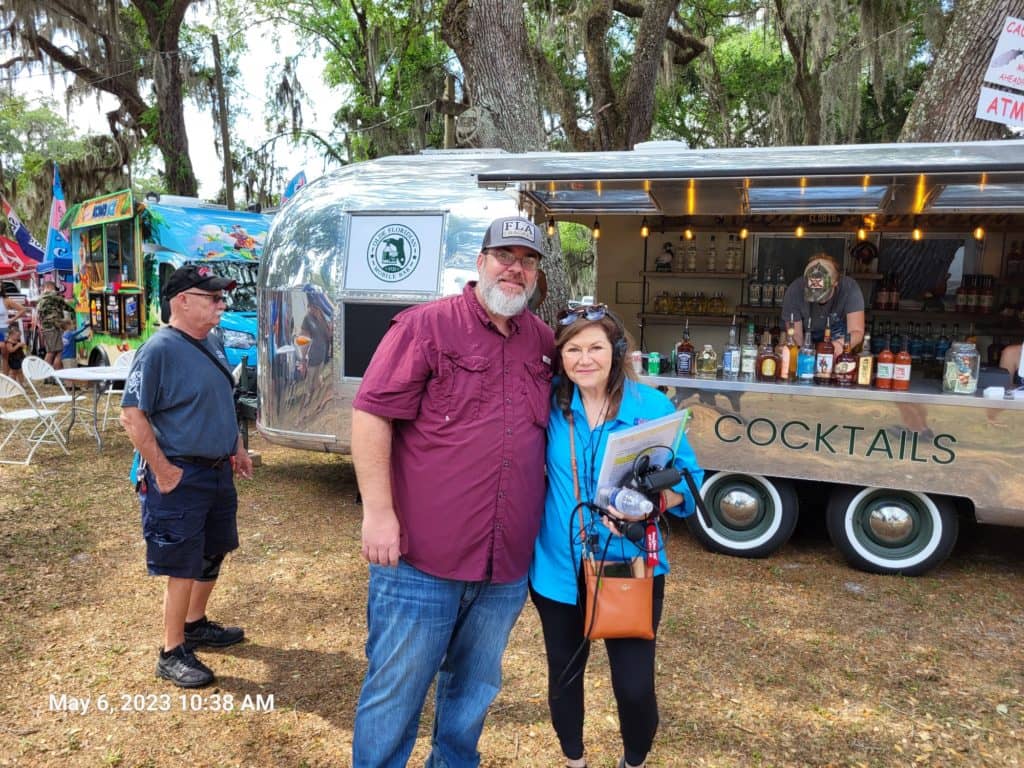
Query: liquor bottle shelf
981	321
695	275
651	318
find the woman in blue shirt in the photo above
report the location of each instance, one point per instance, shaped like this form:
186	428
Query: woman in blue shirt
596	396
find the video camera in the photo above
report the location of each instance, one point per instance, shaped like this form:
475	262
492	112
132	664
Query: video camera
648	479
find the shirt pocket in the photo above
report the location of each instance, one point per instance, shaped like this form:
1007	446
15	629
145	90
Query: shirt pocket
538	391
463	384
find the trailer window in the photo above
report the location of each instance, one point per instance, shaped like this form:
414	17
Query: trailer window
92	243
365	326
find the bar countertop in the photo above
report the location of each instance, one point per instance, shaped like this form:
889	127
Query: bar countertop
925	392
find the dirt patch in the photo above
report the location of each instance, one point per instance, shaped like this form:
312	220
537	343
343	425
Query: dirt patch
795	660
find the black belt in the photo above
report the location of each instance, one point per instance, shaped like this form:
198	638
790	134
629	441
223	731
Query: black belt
202	461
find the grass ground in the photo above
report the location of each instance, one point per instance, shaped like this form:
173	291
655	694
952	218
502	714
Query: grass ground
795	660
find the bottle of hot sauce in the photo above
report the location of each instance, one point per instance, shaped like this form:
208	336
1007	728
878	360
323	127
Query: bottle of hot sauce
901	369
883	375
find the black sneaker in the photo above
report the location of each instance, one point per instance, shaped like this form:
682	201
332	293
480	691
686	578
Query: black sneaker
183	669
212	634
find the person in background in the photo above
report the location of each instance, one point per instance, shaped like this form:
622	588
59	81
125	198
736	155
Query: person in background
596	395
10	313
448	445
15	351
51	310
822	295
1010	361
69	339
178	409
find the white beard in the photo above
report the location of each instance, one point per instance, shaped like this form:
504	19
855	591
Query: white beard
499	302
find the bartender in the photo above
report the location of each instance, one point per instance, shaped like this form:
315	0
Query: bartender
820	297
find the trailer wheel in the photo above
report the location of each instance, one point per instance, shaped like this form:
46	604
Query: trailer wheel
751	515
885	530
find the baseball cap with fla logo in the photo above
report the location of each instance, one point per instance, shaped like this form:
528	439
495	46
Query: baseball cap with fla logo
199	276
513	230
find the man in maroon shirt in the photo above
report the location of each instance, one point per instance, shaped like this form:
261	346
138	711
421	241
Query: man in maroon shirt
448	443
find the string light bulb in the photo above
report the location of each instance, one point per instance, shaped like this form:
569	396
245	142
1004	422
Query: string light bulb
551	227
800	231
644	229
688	232
596	230
744	233
979	233
916	233
862	233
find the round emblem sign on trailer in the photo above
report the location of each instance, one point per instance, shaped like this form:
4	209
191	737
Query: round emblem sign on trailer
393	253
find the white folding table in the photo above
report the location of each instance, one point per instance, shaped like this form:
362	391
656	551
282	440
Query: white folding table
98	375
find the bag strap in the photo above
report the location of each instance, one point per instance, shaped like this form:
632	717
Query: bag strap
202	348
588	562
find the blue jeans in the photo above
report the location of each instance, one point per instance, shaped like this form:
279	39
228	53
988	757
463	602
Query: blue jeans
422	626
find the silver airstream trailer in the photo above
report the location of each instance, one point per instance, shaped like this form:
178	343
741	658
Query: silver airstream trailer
347	254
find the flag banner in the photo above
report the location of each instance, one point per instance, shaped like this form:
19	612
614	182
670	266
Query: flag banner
12	259
58	247
29	245
298	182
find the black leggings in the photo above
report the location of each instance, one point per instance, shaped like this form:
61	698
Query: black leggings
632	667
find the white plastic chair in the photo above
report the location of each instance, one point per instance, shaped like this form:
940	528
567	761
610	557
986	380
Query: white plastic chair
38	370
17	410
116	389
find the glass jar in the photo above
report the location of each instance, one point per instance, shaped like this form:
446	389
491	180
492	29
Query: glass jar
960	375
662	303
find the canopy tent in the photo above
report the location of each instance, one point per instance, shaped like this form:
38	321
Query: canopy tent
14	264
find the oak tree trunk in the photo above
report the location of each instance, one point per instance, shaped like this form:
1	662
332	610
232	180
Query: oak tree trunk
944	107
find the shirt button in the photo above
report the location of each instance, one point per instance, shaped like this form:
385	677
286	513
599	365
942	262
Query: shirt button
506	463
501	495
508	431
508	400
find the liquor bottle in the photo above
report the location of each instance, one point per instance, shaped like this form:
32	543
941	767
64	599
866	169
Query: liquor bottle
767	360
780	287
971	299
712	255
895	291
961	295
685	354
916	343
941	346
775	330
730	254
865	363
748	355
707	363
805	362
883	377
956	334
754	289
731	354
901	369
824	359
896	342
928	347
845	371
987	298
882	293
787	358
972	336
691	256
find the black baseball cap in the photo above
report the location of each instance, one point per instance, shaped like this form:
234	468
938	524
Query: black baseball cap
199	276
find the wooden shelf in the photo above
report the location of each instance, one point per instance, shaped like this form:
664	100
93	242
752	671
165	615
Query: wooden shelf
650	318
981	322
695	275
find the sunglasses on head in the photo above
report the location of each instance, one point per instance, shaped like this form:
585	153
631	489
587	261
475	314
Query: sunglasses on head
586	311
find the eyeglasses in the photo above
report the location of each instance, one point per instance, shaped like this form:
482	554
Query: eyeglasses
218	298
587	311
507	258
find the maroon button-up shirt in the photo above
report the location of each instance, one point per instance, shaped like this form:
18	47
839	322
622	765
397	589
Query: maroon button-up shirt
469	408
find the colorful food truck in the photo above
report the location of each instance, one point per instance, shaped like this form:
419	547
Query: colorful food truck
696	238
124	250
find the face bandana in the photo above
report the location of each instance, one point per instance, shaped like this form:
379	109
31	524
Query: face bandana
819	282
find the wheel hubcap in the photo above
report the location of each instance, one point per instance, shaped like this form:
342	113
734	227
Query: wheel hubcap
739	508
891	524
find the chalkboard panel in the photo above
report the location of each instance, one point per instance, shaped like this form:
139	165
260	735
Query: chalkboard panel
791	253
365	326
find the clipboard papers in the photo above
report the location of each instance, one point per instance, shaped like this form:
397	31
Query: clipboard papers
625	445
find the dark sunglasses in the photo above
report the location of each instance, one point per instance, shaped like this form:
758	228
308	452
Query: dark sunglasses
586	311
